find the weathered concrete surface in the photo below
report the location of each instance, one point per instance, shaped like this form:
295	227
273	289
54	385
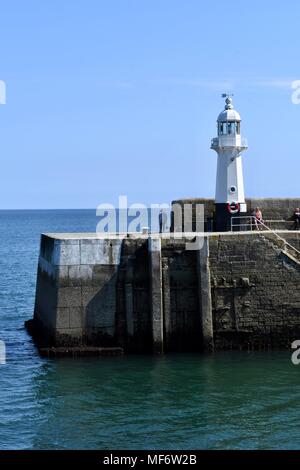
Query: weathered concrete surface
240	291
156	294
205	294
77	281
182	309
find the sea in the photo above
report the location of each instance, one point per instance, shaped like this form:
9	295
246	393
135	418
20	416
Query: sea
228	400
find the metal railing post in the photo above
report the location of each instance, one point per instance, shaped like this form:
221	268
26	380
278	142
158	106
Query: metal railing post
252	218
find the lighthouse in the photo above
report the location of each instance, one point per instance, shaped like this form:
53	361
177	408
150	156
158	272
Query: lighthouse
229	145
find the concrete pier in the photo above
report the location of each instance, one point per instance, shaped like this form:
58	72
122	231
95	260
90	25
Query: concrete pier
101	293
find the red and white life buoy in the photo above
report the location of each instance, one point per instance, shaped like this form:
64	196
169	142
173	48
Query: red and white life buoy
233	207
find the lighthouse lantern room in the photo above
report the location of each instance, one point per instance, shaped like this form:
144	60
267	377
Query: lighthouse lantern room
230	196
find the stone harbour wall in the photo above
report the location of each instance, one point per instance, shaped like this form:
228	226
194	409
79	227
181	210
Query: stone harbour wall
140	293
277	212
255	291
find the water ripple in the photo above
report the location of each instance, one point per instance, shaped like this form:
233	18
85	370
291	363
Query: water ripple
224	401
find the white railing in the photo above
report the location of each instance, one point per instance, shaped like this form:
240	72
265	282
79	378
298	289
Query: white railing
229	141
255	224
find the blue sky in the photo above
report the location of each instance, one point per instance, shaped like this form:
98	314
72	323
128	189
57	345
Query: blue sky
121	97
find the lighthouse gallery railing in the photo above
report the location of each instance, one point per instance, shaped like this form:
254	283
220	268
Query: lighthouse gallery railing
229	141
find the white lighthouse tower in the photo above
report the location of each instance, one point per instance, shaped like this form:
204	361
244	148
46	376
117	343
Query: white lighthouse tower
230	196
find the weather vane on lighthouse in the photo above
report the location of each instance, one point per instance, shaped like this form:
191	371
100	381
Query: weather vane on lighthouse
230	196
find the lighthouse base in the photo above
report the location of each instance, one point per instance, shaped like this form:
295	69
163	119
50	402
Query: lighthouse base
223	219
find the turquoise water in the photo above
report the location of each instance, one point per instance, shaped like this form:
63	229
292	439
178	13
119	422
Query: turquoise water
224	401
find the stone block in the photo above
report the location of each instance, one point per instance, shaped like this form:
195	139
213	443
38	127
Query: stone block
68	336
62	276
100	251
67	252
80	275
63	318
99	306
69	297
102	274
76	317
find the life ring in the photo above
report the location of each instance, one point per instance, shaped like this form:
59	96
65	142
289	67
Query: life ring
233	207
